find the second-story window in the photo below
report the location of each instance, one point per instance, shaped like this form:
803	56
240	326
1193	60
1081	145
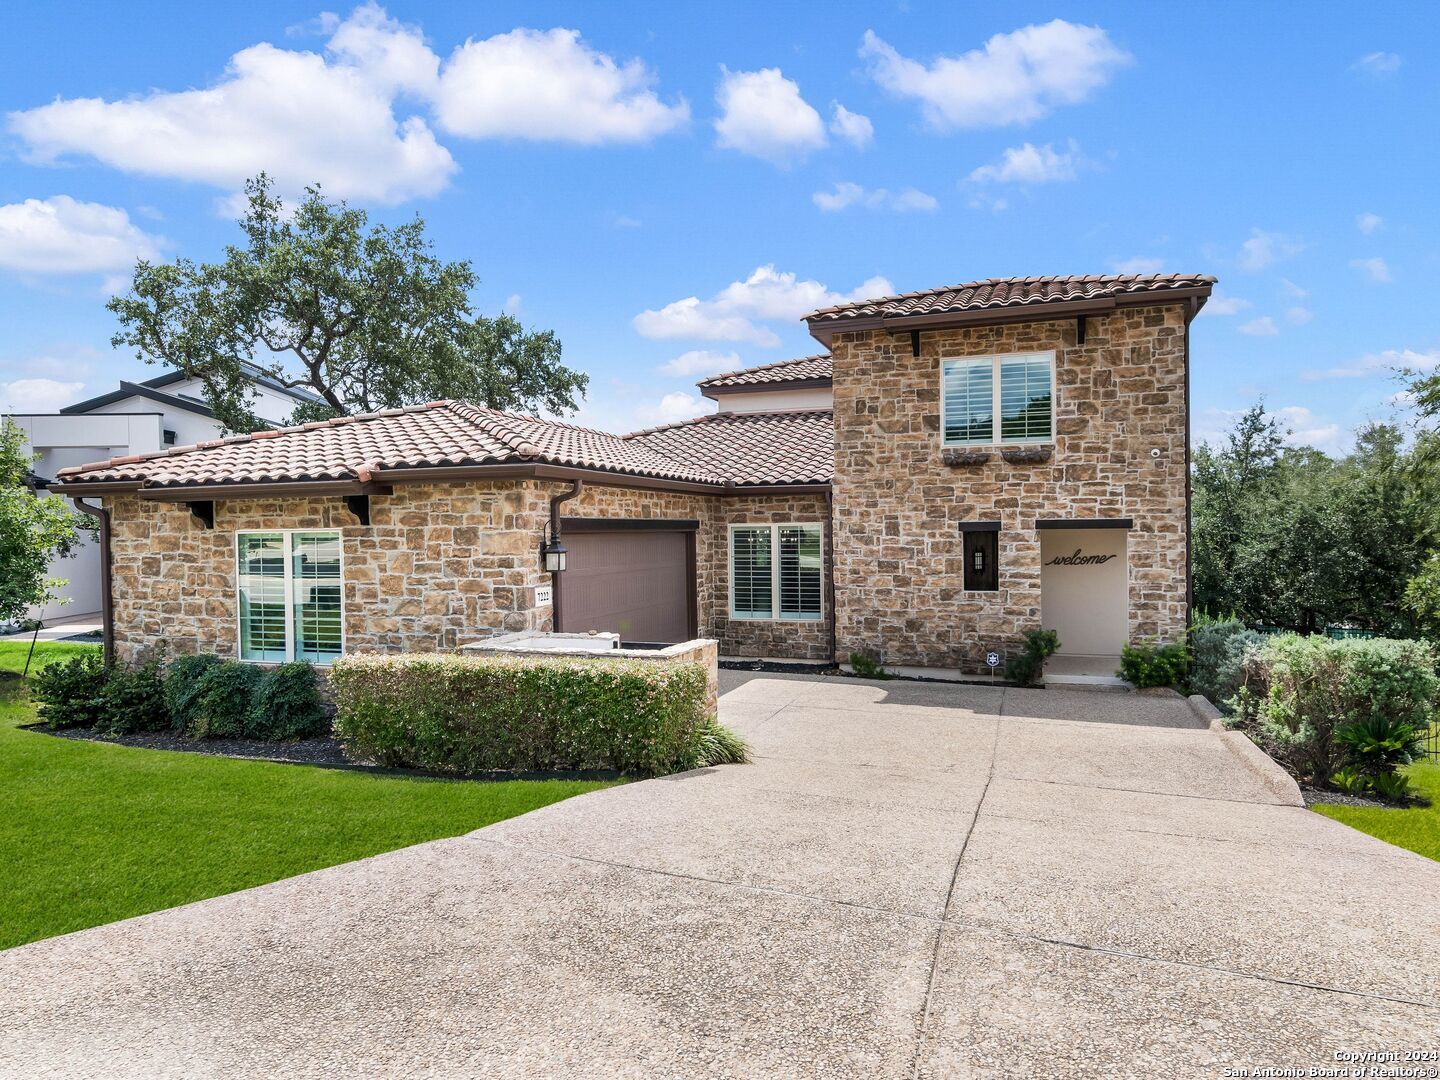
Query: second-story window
1018	388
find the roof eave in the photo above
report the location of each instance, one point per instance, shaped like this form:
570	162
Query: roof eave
715	393
824	329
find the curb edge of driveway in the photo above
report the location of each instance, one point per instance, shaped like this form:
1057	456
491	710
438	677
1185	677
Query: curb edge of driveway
1275	778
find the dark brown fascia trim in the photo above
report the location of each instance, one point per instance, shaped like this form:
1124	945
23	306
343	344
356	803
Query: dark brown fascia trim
736	490
98	487
1044	311
715	393
1084	523
382	481
597	525
979	526
532	471
221	492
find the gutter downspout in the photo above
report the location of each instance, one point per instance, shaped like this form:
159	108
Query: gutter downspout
107	613
555	501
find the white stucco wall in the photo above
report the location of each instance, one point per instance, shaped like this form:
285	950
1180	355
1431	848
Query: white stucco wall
776	400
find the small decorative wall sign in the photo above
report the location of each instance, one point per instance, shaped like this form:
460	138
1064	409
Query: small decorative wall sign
1079	559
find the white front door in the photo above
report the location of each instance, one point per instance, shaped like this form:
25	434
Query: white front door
1084	589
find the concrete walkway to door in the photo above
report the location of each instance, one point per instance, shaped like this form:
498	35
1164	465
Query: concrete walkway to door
910	880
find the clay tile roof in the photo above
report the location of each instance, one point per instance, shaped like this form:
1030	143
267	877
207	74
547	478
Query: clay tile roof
441	433
1009	293
794	447
806	367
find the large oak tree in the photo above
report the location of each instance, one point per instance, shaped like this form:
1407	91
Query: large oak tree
365	317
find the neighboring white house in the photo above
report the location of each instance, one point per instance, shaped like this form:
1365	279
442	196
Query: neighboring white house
138	418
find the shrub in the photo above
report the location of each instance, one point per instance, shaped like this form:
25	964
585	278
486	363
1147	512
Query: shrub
182	687
716	744
133	699
1379	745
1026	668
1146	666
472	714
1217	656
868	665
1301	693
286	704
224	698
69	691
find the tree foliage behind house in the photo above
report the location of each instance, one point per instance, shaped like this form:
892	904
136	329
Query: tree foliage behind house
365	317
33	530
1293	537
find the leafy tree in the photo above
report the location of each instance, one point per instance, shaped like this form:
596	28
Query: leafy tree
1293	537
33	530
365	318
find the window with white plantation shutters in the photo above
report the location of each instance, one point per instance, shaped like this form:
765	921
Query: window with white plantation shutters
969	401
751	573
776	572
290	602
799	567
1018	389
1025	398
262	596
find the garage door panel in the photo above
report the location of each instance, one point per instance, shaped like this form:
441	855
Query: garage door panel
635	584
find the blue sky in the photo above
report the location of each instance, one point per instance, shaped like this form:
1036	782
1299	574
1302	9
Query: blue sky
669	186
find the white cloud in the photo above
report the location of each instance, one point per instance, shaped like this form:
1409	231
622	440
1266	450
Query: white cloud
1299	314
512	304
852	127
1223	304
846	194
1367	222
550	85
702	362
1140	264
1031	164
1378	63
1308	429
348	117
1303	427
300	116
733	314
763	114
670	409
1294	290
1261	327
625	221
1377	270
1387	362
1017	77
59	235
1264	248
37	395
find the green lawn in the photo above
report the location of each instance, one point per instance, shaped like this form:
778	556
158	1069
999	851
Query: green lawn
91	833
1417	828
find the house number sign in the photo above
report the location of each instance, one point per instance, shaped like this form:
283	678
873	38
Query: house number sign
1079	559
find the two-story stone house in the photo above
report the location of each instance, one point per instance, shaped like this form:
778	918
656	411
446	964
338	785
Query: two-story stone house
963	464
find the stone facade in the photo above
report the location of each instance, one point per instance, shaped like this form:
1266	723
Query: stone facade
900	498
439	565
787	639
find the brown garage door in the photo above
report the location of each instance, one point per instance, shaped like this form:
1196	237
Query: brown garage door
635	584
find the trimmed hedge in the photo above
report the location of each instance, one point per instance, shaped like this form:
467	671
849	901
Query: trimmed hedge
1338	712
455	714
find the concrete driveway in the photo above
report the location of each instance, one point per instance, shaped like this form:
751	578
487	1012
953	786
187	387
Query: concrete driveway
910	880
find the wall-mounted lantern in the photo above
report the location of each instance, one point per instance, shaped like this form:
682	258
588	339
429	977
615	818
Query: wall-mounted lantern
555	554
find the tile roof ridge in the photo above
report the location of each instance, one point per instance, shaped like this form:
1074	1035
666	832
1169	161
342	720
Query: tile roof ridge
763	367
245	437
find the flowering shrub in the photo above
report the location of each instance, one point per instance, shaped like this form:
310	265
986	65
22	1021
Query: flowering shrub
466	714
